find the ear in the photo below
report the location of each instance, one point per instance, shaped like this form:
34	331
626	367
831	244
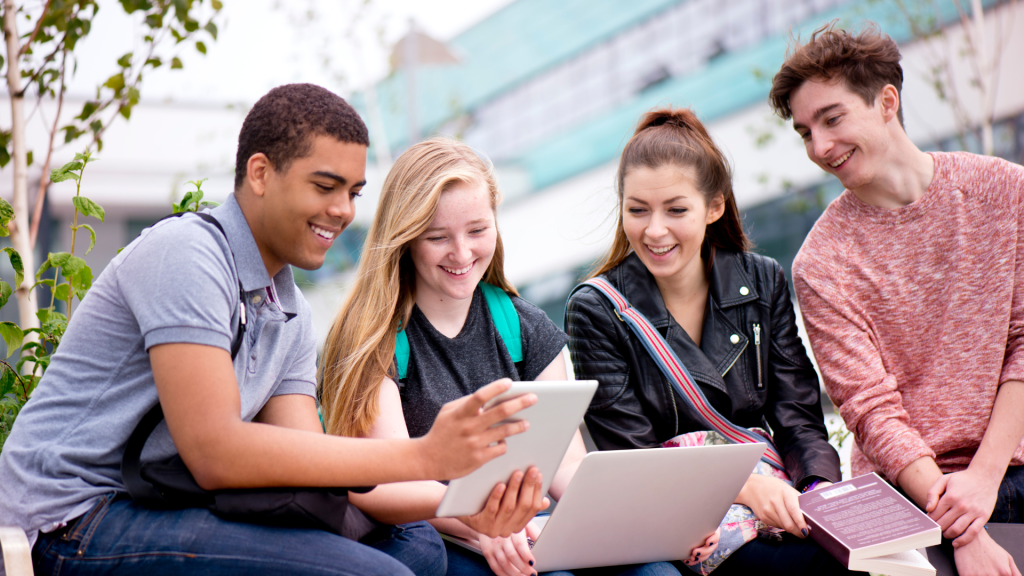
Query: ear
716	209
889	100
257	170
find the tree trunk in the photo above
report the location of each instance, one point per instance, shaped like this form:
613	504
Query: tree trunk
985	72
19	158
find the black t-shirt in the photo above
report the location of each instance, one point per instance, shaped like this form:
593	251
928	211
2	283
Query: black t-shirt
443	369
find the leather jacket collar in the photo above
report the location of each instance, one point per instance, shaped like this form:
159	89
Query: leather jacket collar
722	342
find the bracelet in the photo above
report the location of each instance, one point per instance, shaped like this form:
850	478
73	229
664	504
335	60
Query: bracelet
811	486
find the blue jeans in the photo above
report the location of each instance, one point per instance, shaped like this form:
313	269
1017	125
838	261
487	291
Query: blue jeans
1010	500
119	537
462	562
791	557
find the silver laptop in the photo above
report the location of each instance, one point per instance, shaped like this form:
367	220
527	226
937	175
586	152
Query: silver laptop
639	506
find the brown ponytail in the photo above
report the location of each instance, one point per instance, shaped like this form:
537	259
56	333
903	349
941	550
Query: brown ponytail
676	137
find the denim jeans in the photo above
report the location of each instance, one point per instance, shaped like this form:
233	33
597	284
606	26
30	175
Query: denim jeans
1010	499
119	537
462	562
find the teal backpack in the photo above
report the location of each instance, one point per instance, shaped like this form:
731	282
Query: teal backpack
504	316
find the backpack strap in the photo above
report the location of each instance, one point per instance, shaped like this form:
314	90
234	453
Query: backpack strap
506	322
131	465
678	375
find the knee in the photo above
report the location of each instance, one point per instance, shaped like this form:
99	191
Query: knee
425	552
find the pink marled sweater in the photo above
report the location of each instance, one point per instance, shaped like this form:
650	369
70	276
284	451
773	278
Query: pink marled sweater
916	315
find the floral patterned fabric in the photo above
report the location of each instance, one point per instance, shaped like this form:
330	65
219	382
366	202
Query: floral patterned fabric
740	525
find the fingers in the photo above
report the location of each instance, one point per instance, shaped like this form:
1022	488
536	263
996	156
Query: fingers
475	401
934	493
500	432
793	507
506	409
518	552
486	516
507	512
969	534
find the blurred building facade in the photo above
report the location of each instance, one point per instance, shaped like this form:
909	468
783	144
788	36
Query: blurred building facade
550	92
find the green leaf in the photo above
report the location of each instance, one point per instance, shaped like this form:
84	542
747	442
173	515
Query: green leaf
7	381
63	292
28	160
72	266
92	236
12	335
44	282
6	215
185	202
209	204
115	82
52	322
125	61
154	62
125	111
5	157
201	47
19	268
53	260
217	5
155	21
87	110
211	28
85	158
88	207
81	281
176	63
5	293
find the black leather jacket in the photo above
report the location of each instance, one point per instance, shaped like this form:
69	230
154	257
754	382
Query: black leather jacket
635	406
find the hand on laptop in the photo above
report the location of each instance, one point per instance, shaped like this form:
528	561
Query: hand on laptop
704	552
511	556
508	509
464	436
775	503
983	557
961	503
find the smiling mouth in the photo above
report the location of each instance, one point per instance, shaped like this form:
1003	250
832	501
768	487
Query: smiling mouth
659	251
325	234
458	271
841	160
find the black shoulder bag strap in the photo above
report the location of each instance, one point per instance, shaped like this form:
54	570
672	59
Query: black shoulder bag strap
131	465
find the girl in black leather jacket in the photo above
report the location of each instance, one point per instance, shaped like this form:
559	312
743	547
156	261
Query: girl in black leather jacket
679	257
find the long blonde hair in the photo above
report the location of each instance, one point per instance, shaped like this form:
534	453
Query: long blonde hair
360	346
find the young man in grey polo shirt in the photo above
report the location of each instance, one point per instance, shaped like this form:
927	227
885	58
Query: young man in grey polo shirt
158	325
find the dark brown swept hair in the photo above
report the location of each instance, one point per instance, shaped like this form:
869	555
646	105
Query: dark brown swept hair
865	63
667	137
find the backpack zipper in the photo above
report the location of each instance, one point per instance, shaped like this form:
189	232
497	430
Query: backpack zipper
757	348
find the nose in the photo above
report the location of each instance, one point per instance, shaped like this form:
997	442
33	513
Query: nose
656	225
461	252
342	208
821	144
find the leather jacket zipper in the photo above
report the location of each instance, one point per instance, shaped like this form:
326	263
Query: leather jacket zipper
757	348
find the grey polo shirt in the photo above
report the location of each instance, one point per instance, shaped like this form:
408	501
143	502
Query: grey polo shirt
177	283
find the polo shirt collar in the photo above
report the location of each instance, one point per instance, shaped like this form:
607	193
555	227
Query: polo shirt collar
252	272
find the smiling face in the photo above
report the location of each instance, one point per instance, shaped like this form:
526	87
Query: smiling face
842	134
453	254
302	210
664	217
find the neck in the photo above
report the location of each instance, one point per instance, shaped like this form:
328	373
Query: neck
903	179
689	282
254	218
447	315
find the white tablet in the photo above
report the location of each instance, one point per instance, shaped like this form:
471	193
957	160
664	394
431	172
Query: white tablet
553	421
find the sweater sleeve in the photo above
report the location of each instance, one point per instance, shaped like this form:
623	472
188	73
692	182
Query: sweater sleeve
1013	364
867	396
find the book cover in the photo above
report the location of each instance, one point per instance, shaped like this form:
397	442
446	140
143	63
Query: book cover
865	517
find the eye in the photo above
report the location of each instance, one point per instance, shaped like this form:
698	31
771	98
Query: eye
636	211
324	187
478	230
355	192
832	121
805	135
435	238
678	211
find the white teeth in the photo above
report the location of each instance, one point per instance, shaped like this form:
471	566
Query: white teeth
841	160
321	232
457	271
660	251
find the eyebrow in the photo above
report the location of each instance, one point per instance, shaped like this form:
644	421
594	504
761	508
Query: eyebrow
817	114
442	228
669	201
339	179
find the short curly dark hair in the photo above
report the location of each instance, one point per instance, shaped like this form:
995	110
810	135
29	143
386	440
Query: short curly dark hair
282	123
865	63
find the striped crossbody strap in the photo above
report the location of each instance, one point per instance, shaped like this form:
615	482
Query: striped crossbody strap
676	372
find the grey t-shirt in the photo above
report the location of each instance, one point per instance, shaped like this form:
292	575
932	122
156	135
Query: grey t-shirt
177	283
443	369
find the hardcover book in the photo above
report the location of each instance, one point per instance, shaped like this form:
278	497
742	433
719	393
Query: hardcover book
867	525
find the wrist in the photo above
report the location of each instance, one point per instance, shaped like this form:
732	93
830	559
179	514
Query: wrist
418	455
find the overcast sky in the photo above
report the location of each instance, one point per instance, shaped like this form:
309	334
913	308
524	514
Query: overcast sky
341	44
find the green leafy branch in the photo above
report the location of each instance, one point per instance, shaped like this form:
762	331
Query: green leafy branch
192	201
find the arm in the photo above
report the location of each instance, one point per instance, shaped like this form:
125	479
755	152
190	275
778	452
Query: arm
866	395
201	405
793	408
600	351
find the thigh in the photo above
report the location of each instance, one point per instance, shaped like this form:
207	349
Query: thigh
417	545
1010	498
791	557
119	537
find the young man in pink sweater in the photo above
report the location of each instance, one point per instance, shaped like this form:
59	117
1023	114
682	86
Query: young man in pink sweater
911	286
